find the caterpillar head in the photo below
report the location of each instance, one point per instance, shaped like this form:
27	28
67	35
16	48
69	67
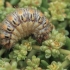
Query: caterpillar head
44	35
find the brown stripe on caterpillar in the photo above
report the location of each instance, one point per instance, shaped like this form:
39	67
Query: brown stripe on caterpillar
23	22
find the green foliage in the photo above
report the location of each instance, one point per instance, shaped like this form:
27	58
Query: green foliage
36	3
14	2
53	53
55	66
4	12
19	53
4	65
33	64
57	10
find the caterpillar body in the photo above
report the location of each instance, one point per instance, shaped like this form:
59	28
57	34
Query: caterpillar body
22	23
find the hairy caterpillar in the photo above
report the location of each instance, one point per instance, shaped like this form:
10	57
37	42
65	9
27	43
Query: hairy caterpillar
21	23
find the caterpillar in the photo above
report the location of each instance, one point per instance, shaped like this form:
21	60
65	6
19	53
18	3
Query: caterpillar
22	23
